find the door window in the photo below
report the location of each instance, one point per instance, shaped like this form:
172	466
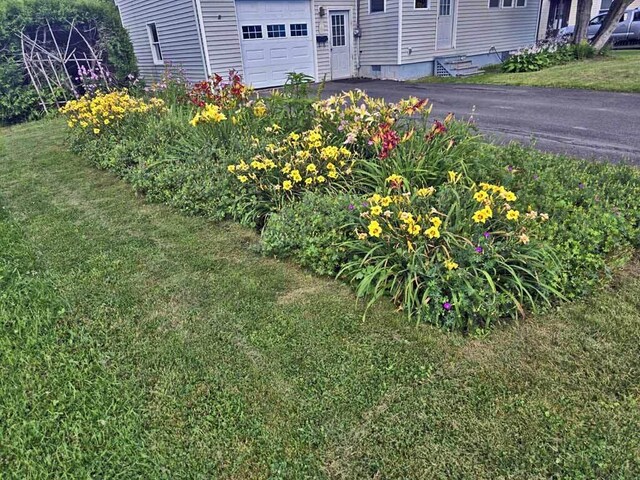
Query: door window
338	32
444	8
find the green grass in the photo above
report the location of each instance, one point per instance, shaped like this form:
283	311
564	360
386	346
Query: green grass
139	343
617	72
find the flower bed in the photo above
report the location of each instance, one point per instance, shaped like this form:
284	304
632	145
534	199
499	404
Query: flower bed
456	232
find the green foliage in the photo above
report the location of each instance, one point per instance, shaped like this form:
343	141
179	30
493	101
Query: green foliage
312	231
18	101
288	166
538	57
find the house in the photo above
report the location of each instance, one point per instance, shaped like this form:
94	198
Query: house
556	14
326	39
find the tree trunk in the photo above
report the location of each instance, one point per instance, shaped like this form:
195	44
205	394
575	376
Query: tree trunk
610	23
583	15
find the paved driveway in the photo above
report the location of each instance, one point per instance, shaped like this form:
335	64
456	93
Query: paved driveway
580	123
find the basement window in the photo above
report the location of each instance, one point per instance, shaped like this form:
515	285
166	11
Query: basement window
154	40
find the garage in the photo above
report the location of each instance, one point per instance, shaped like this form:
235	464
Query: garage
276	38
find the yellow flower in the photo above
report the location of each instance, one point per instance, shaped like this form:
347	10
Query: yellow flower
435	221
406	217
260	109
376	210
295	176
454	176
509	196
480	216
513	215
432	232
286	185
414	229
308	181
321	179
106	121
426	192
332	174
362	236
480	196
294	136
96	131
242	178
450	264
375	198
394	179
231	168
524	239
70	124
375	229
385	201
311	168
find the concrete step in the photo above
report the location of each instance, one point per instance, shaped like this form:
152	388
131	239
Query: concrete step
458	62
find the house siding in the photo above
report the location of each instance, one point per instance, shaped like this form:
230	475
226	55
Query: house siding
323	50
379	40
223	37
178	32
478	29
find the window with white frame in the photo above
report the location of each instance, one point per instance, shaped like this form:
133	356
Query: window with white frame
298	29
156	50
421	4
250	32
494	3
376	6
276	31
507	3
521	3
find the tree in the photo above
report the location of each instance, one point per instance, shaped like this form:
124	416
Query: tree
610	23
583	15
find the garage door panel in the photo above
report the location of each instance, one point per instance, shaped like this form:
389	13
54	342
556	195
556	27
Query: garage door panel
268	60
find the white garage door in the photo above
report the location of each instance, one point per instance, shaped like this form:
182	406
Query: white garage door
276	39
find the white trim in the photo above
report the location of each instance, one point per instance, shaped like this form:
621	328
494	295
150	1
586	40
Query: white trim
315	43
454	25
400	8
239	28
203	38
152	44
515	5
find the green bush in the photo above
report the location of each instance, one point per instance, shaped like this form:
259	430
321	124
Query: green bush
19	101
425	229
312	231
543	55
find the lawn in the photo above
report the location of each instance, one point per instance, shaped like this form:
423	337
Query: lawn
617	72
138	342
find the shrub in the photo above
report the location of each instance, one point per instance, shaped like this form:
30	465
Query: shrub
456	255
312	231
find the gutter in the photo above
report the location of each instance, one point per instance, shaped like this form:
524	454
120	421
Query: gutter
202	34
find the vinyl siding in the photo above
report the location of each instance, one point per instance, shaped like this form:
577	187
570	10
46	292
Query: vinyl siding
379	40
323	50
478	29
223	38
178	33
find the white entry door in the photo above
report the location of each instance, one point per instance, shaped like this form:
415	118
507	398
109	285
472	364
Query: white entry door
275	36
340	44
446	9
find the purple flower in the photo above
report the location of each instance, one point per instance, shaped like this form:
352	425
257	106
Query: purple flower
365	204
486	234
509	168
479	249
447	306
581	185
351	206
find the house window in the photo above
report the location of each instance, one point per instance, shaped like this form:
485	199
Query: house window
421	4
251	31
376	6
494	3
521	3
276	31
298	29
507	3
156	50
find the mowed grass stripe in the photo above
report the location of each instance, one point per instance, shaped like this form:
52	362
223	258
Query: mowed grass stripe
245	367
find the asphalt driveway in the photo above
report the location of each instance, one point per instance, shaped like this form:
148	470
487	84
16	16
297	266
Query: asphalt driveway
581	123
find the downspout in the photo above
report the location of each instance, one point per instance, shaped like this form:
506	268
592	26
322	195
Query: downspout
202	33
